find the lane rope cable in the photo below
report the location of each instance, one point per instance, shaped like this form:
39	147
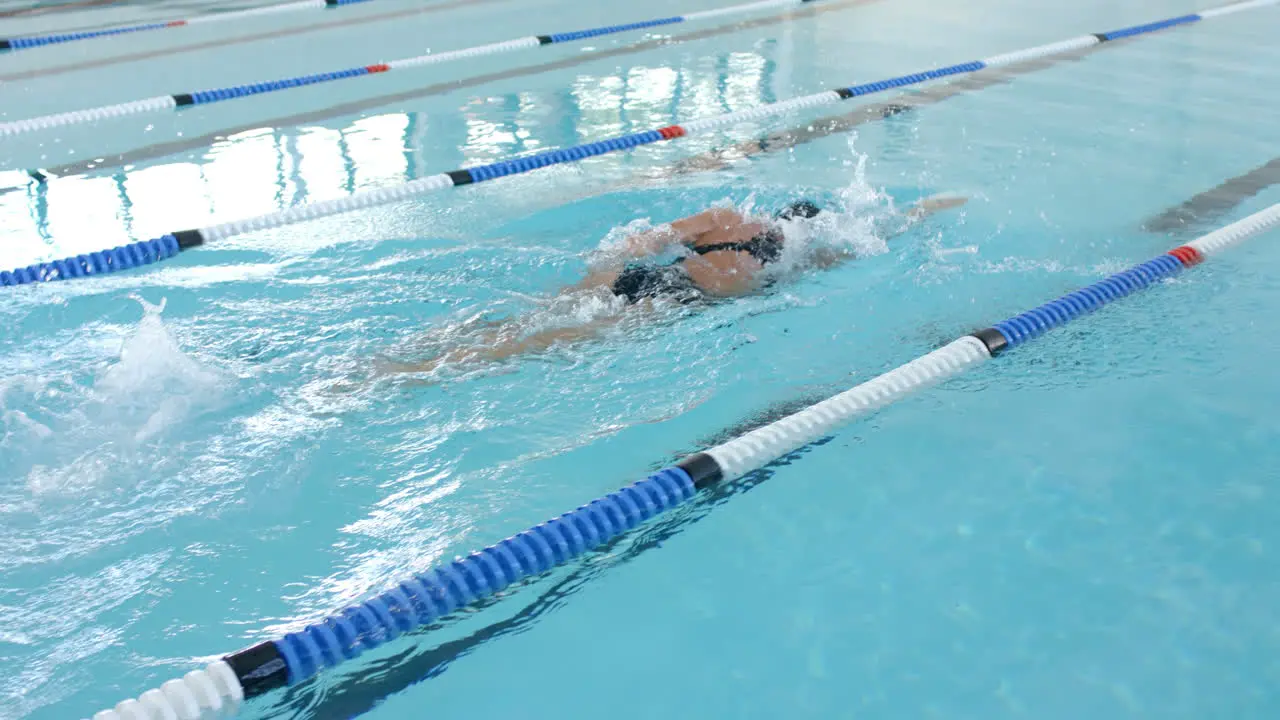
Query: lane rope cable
427	597
25	43
146	252
161	103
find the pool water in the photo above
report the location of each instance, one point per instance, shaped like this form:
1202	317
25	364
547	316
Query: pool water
195	456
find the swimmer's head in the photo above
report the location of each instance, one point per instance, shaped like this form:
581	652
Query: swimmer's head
799	209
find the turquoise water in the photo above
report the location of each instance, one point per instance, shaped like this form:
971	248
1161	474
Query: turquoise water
1085	527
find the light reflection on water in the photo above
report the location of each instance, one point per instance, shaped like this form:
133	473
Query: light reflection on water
265	169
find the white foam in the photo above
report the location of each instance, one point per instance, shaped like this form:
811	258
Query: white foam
99	432
154	379
89	470
614	248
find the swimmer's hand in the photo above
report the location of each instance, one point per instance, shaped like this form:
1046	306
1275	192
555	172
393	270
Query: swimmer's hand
934	204
824	258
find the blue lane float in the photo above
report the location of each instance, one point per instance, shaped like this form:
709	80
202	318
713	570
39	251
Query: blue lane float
124	257
74	267
903	81
22	43
427	597
1036	322
204	97
34	41
1150	27
611	29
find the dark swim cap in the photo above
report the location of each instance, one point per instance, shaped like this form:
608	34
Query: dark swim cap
800	208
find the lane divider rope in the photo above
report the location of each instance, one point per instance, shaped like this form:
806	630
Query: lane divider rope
24	43
166	246
204	97
757	448
427	597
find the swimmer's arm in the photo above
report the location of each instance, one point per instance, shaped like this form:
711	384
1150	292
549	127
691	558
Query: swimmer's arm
640	245
650	242
707	221
824	258
683	231
502	343
925	207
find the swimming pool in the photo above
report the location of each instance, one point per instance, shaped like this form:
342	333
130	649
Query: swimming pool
1082	527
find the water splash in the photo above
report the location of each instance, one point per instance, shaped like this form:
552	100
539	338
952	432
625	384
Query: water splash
97	433
155	381
856	221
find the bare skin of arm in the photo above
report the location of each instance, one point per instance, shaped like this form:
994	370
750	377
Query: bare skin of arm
685	231
726	273
502	343
712	226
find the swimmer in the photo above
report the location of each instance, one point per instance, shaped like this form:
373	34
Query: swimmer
723	255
